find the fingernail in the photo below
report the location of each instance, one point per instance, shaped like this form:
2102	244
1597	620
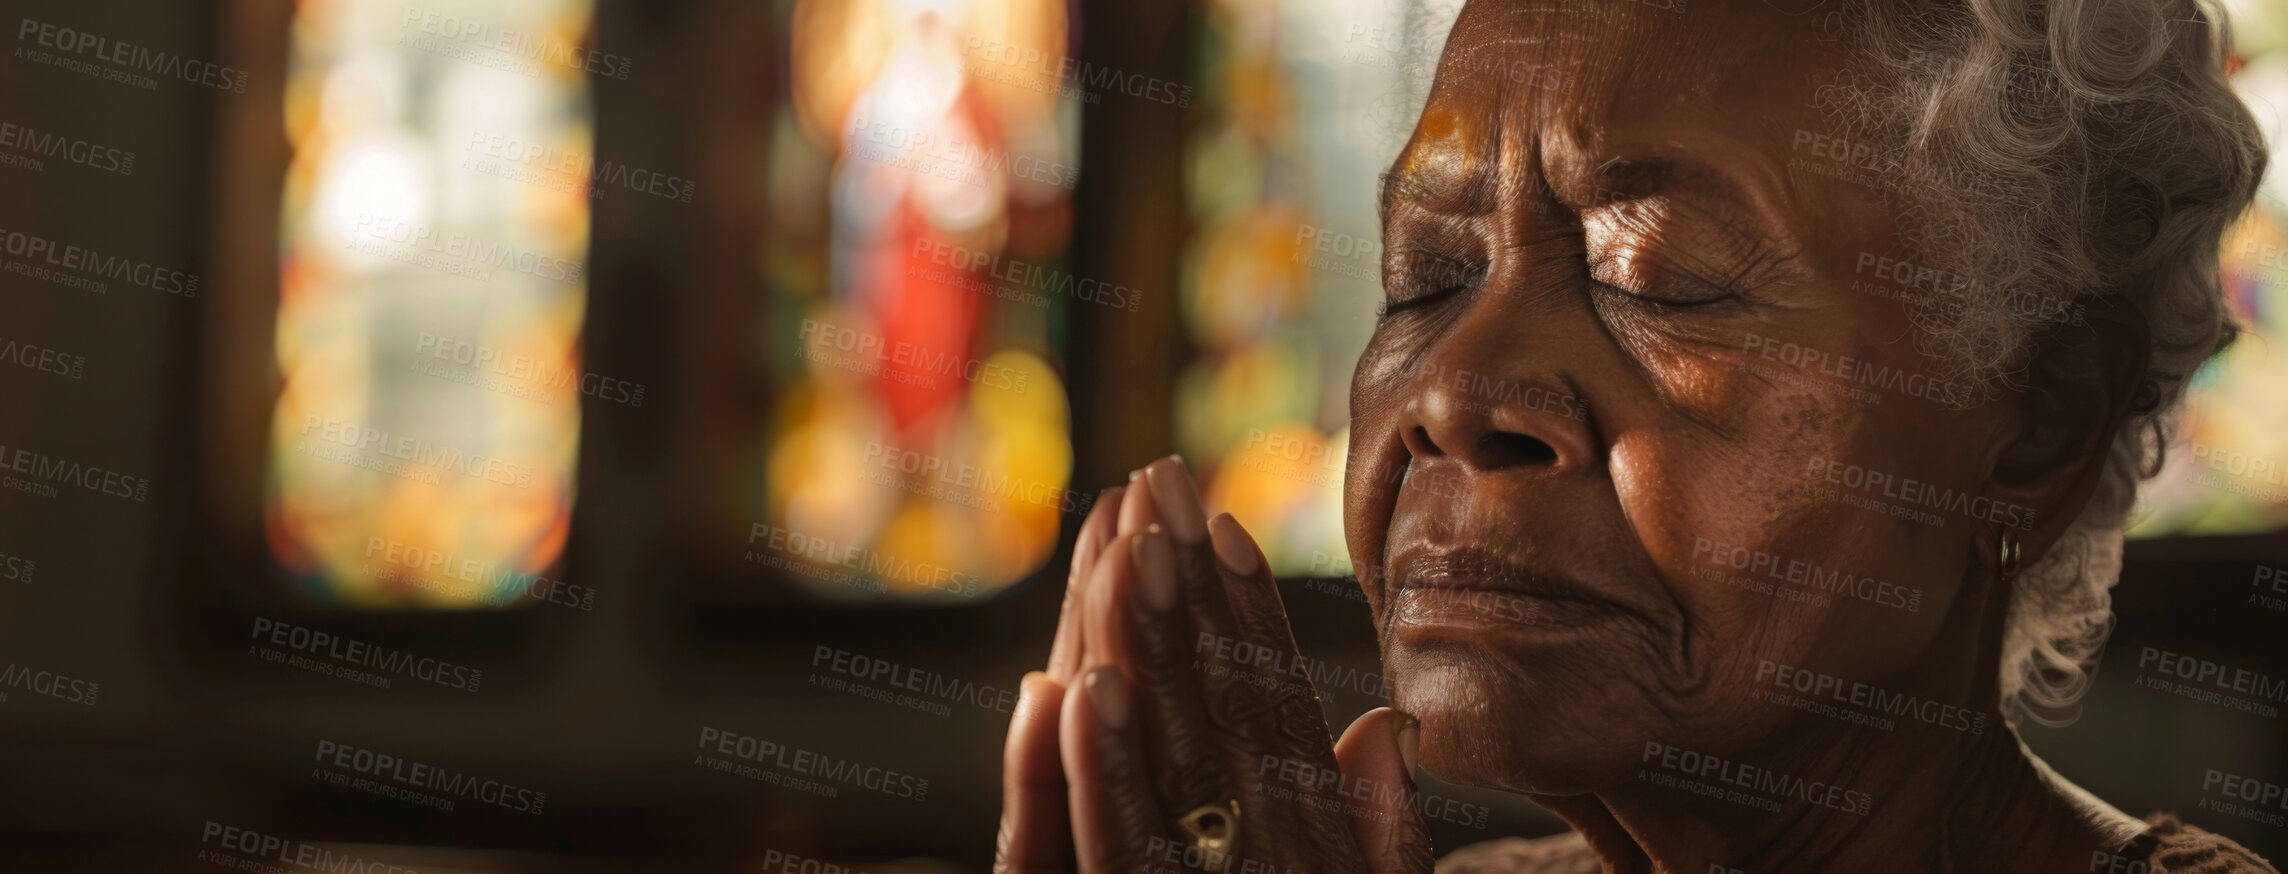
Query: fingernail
1233	546
1033	689
1178	499
1410	744
1110	698
1156	565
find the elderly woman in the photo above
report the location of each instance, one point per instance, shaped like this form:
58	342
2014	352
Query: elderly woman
1866	323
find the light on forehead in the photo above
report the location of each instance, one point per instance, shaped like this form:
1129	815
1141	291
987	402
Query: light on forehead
1441	145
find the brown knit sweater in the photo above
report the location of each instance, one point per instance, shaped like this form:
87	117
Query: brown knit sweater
2169	846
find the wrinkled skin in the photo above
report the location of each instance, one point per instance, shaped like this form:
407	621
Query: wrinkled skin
1155	703
1563	418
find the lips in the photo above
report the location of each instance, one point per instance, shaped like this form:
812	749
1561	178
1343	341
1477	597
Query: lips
1477	588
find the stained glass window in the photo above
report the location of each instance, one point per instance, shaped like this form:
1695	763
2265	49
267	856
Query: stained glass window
432	287
2227	470
920	183
1306	103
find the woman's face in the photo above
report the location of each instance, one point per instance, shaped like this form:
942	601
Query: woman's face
1617	437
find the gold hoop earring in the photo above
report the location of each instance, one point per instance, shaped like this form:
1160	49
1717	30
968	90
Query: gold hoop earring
2008	565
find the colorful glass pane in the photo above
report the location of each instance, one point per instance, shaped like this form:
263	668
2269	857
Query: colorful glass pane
433	237
920	180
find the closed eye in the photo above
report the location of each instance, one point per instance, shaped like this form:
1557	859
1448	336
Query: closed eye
1414	279
1681	264
1643	279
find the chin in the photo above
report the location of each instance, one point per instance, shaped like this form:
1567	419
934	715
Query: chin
1488	722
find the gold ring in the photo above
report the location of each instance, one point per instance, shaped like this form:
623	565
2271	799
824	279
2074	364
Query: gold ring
1213	827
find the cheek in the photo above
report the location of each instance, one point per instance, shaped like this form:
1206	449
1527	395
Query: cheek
1765	557
1375	462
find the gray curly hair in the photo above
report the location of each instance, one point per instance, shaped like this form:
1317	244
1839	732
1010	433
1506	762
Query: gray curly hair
2057	153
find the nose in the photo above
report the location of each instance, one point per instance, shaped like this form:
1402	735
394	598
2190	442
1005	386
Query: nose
1442	425
1489	423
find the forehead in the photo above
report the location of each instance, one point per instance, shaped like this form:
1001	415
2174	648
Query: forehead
1654	45
1589	82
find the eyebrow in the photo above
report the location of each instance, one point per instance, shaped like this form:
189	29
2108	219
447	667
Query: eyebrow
1691	185
1616	179
1474	193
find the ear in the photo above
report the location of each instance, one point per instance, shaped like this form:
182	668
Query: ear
2083	383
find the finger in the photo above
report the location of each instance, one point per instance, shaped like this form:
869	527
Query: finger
1256	692
1136	511
1036	836
1189	767
1110	596
1267	693
1065	650
1114	819
1257	609
1219	658
1377	754
1178	501
1256	681
1195	760
1248	583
